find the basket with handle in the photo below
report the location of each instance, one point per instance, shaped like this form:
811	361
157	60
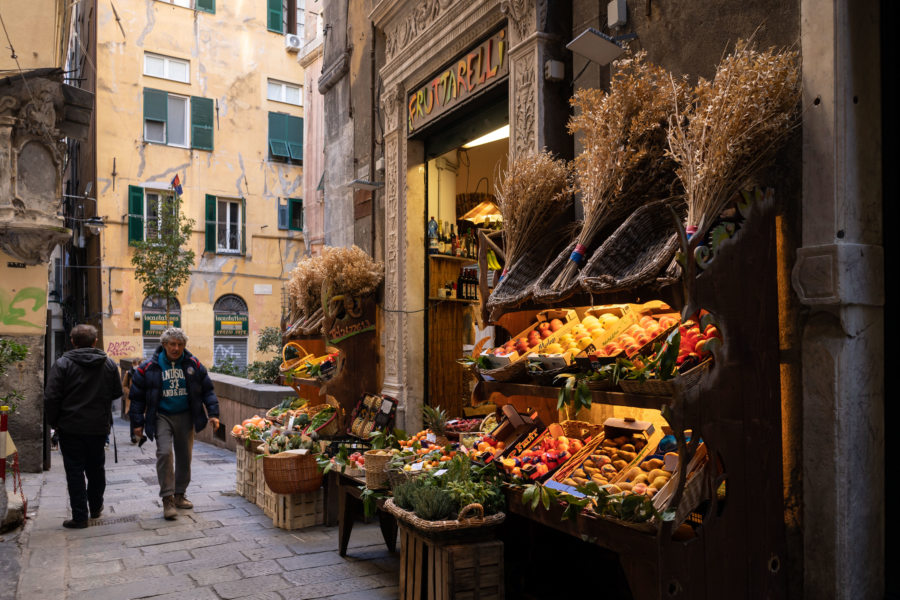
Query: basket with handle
291	473
376	469
330	427
470	521
658	387
288	365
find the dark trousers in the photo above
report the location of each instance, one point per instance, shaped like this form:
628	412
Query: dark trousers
84	457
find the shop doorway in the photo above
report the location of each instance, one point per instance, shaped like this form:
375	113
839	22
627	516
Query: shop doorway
463	162
154	321
230	332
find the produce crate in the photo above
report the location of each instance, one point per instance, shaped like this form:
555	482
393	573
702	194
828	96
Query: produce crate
260	486
298	511
435	571
569	319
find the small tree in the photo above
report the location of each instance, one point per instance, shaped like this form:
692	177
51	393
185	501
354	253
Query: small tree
161	264
11	352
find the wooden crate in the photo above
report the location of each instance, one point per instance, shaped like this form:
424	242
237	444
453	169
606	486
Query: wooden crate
239	469
298	511
431	570
261	487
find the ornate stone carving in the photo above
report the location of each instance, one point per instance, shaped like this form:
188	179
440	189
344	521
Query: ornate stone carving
38	117
524	97
391	104
417	21
8	104
391	257
526	16
29	243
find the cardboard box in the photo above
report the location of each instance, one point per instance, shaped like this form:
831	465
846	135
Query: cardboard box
569	319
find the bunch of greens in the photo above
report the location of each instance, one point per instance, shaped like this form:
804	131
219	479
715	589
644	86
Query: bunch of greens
436	497
321	418
634	508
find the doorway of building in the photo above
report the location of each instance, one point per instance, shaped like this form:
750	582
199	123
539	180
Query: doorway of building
230	332
154	321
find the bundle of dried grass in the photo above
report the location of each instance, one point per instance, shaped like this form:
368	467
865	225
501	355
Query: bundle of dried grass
624	164
532	192
305	287
733	127
351	271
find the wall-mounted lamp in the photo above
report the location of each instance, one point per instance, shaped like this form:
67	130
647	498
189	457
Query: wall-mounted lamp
95	225
598	47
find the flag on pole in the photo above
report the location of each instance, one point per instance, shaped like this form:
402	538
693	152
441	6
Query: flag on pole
176	185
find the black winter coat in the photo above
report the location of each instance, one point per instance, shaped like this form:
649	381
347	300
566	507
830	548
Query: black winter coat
80	390
146	392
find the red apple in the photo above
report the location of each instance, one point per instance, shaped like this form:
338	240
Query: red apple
556	325
544	325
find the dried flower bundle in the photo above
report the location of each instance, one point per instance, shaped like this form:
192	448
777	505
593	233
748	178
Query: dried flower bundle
533	191
624	163
733	127
348	270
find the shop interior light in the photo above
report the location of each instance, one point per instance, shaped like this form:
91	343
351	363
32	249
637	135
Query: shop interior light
497	134
596	46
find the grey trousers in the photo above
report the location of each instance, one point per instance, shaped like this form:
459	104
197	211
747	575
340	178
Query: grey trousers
174	432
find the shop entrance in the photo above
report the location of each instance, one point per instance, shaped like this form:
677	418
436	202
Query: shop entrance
464	158
230	331
154	322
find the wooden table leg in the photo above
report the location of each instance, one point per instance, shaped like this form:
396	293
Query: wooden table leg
388	525
332	499
345	520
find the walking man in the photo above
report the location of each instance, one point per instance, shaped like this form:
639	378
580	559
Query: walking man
78	397
172	397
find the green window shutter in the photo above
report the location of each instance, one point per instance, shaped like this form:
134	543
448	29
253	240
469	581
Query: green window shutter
210	223
295	218
155	105
206	6
278	125
201	123
243	226
295	137
135	214
275	20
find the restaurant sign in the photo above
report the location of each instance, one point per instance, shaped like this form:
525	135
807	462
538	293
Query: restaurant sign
475	71
231	325
155	322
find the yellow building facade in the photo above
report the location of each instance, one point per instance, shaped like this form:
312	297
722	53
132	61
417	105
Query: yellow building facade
210	92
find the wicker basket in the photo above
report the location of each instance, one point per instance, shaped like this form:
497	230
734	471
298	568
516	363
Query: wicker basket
601	385
289	473
547	377
376	470
465	523
658	387
636	254
398	476
330	427
580	429
252	445
289	365
515	371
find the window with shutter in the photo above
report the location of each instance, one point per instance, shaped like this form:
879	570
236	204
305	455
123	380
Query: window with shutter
274	20
278	145
295	138
210	229
206	6
295	220
201	123
283	216
135	214
155	115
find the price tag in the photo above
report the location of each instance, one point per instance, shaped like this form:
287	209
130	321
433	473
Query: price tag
440	472
417	466
386	407
431	438
290	426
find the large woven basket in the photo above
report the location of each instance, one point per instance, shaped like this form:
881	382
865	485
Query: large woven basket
330	427
288	365
669	387
638	253
515	371
289	473
470	522
376	470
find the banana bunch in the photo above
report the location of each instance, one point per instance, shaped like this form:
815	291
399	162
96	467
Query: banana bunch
492	261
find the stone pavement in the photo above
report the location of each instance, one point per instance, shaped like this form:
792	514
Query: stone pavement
224	548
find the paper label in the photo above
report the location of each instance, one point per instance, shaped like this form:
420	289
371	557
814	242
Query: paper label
386	407
440	472
431	438
417	466
290	425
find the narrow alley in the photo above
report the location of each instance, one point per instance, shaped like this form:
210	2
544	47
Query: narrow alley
224	548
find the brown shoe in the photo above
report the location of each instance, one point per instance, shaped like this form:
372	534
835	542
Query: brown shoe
169	512
182	502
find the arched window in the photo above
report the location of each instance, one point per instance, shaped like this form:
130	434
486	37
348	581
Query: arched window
230	331
153	321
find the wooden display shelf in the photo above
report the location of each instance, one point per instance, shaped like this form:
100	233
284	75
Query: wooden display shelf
462	300
486	388
456	258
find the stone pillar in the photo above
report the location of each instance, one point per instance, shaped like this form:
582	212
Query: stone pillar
839	274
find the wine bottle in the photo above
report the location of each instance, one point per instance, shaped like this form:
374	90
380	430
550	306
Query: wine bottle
432	236
440	237
454	243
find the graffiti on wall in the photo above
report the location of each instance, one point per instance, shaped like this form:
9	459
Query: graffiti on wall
23	308
122	347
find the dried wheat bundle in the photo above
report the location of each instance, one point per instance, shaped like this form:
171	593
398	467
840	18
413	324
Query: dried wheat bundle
305	287
351	271
624	163
532	192
734	125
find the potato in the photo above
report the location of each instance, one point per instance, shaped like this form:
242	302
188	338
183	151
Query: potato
599	480
591	470
622	439
646	465
655	463
579	480
625	485
655	473
658	482
609	444
628	447
642	478
579	473
632	473
619	464
629	456
569	481
601	459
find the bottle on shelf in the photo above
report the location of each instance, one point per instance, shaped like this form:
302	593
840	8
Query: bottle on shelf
454	243
432	236
446	237
440	237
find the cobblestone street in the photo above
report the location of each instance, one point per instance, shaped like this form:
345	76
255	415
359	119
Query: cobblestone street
224	548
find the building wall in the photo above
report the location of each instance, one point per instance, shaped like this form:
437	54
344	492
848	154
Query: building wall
314	133
231	55
38	31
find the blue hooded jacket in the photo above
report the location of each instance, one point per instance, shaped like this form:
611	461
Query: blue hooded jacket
146	393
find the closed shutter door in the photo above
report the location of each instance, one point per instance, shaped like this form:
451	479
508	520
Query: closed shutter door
231	347
150	346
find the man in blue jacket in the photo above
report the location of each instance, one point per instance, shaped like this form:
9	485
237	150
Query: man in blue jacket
81	387
171	397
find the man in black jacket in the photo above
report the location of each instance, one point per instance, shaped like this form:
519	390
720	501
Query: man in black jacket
78	398
171	397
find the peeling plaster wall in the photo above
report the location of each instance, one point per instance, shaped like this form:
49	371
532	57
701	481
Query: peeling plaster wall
231	55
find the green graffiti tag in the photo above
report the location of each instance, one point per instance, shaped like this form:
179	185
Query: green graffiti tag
13	311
